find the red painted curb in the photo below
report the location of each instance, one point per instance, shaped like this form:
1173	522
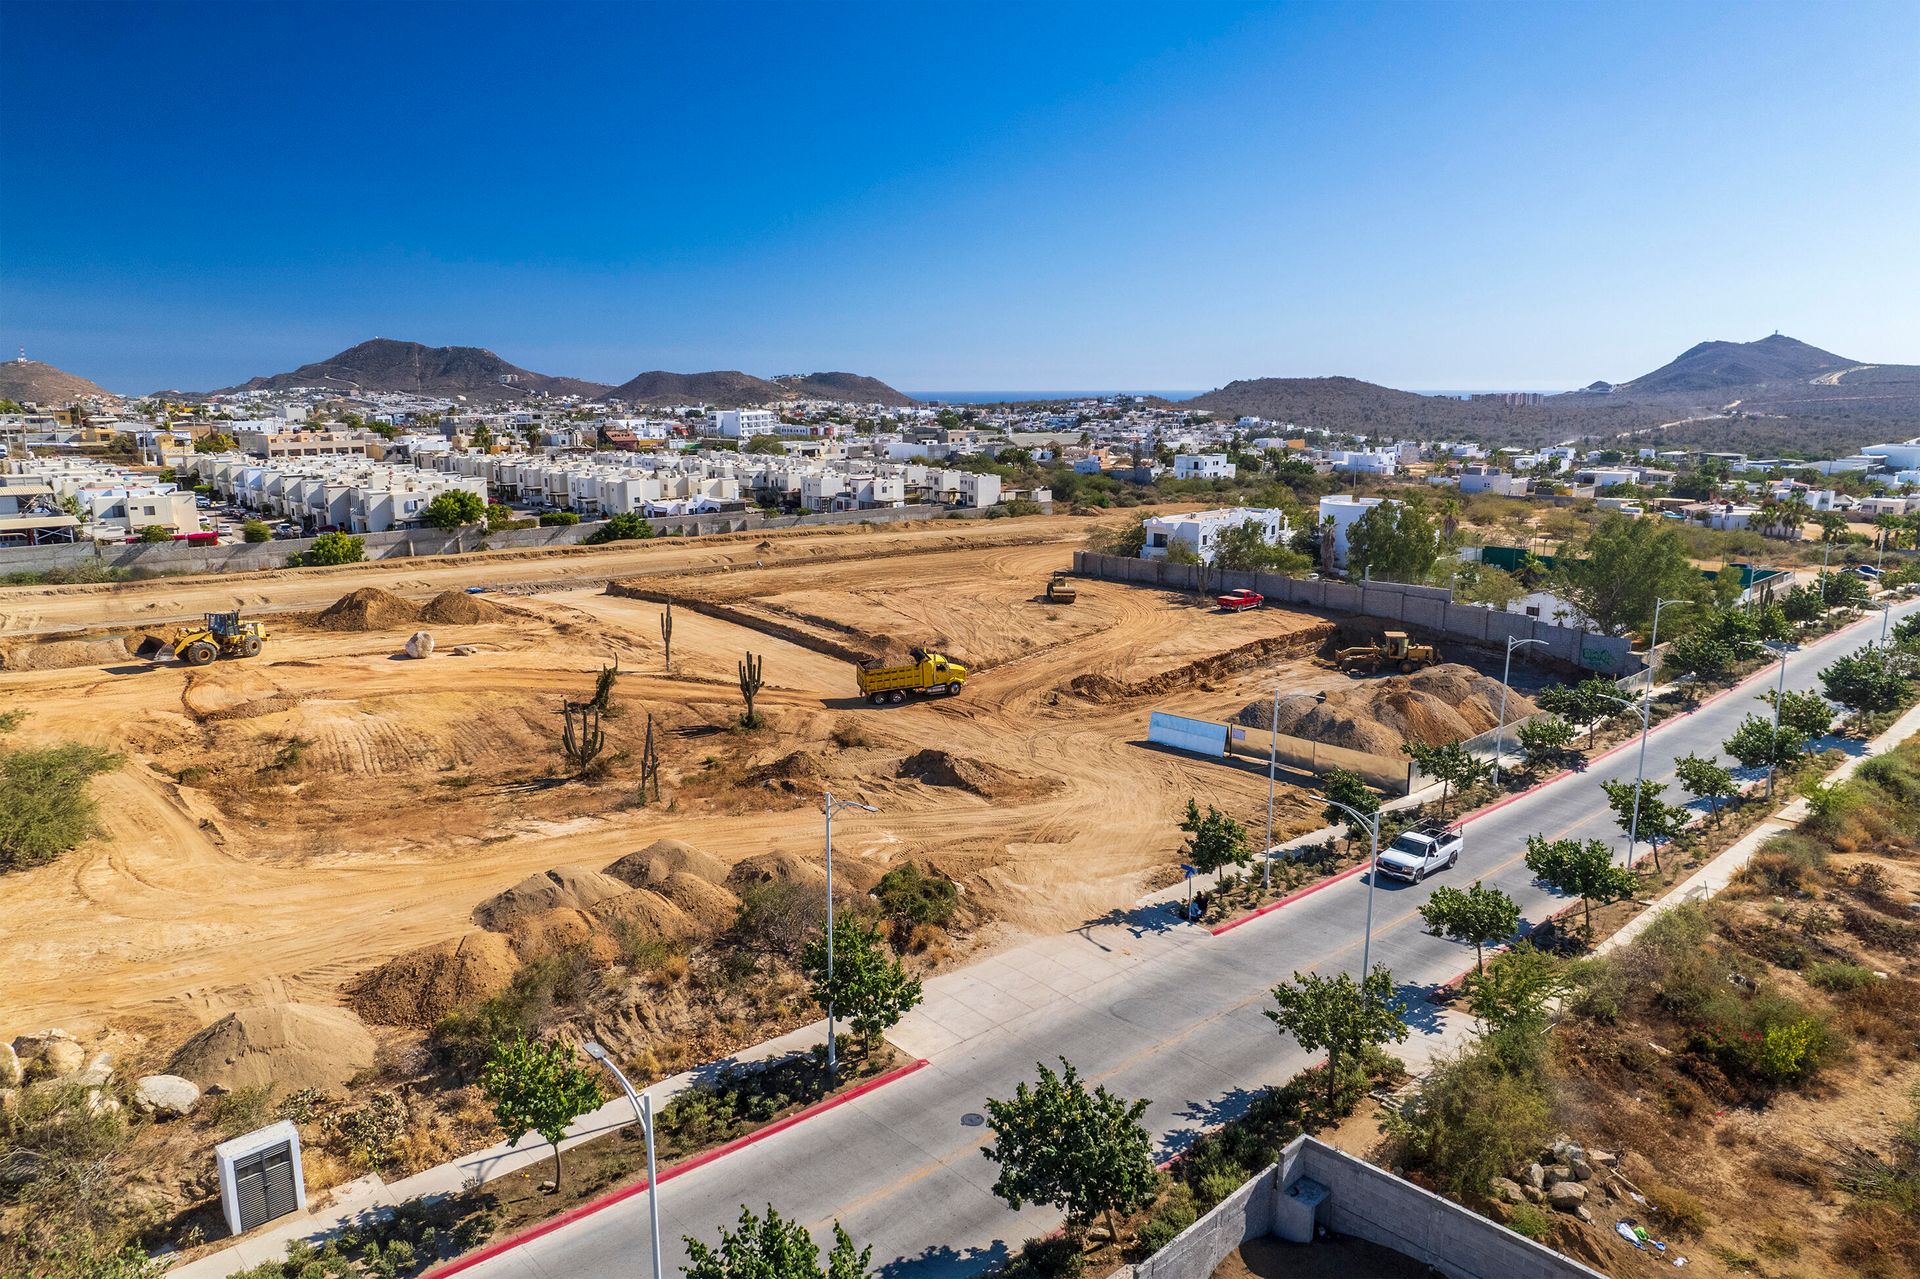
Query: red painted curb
571	1215
1294	896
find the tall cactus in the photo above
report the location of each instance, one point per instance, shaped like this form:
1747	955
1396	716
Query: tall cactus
666	634
750	684
649	766
580	735
603	686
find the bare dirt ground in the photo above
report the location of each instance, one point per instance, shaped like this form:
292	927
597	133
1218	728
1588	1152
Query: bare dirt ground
286	823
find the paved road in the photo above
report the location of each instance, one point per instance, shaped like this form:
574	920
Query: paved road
1149	1007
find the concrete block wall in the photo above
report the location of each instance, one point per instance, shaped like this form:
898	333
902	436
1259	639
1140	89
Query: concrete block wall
1427	609
1364	1202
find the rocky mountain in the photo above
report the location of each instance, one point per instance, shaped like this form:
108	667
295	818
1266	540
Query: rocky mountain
408	368
726	388
850	387
1732	366
27	381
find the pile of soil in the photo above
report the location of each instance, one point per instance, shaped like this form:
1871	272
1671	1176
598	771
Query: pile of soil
796	774
424	985
563	928
288	1046
943	768
787	868
648	911
663	858
367	609
58	655
1431	707
707	904
572	887
457	608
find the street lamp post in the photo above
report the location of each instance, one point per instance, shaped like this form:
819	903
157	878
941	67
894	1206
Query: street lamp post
1372	823
1273	759
1646	722
1779	695
1500	733
829	807
643	1111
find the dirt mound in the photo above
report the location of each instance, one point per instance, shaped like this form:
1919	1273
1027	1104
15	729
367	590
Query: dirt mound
562	928
662	858
367	609
648	911
796	774
574	887
1434	706
457	608
943	768
421	986
57	655
1096	687
290	1046
788	868
709	906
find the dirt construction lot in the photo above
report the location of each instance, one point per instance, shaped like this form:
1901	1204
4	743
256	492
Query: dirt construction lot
286	823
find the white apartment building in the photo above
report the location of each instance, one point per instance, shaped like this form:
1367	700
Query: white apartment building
1364	461
742	424
1203	466
1199	531
1343	509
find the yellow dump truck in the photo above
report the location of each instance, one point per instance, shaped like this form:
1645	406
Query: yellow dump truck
928	673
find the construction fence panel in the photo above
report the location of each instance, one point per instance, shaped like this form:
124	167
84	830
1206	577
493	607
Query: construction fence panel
1196	736
1396	776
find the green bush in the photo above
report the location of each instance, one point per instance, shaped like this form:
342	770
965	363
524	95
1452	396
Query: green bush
743	1097
44	805
1054	1257
1174	1213
1837	975
1525	1219
562	519
1479	1115
624	527
1768	1039
255	531
909	895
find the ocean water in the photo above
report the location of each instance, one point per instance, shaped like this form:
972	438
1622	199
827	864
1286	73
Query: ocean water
1008	397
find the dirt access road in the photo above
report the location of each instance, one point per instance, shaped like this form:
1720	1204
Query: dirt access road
286	823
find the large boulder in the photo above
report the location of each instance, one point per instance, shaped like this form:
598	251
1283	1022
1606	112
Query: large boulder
51	1054
420	644
98	1072
165	1096
1508	1191
1566	1195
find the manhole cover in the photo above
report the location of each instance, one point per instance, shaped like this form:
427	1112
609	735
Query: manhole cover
972	1119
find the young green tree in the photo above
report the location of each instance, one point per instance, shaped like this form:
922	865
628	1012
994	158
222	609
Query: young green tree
1392	542
336	548
870	988
1583	870
538	1087
1758	744
156	533
454	508
1343	786
624	527
1628	564
1085	1153
1545	738
1869	681
1477	916
256	531
1245	546
774	1248
1657	822
1808	714
1513	992
1587	704
1453	765
1338	1014
764	443
1845	590
1803	604
1215	840
1706	778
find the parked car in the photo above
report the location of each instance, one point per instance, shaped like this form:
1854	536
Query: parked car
1240	600
1419	851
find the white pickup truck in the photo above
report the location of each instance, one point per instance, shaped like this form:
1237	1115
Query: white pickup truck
1420	850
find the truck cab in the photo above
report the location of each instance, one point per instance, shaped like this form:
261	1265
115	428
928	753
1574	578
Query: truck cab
1419	851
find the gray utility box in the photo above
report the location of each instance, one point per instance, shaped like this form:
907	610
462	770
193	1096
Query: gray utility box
260	1176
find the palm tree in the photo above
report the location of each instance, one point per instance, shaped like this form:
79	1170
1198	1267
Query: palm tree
1890	526
1795	511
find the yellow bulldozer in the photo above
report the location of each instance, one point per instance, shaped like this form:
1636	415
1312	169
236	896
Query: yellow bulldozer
1399	649
215	635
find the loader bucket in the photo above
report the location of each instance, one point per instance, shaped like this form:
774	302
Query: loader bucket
151	646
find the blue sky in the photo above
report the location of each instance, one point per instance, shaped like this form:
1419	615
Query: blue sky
960	196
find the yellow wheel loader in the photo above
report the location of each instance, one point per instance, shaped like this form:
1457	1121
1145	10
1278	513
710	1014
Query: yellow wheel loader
217	635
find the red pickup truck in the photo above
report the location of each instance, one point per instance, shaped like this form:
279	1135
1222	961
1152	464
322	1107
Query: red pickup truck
1240	600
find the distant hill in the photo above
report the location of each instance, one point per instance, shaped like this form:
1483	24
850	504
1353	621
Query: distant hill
31	382
1348	406
850	387
727	388
408	368
1725	366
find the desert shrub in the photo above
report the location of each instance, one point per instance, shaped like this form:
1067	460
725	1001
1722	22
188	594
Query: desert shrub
743	1097
540	988
57	1158
371	1132
1480	1114
1215	1187
242	1110
777	918
1836	975
1768	1039
1876	1242
1055	1257
1679	1212
1525	1219
910	895
44	805
1174	1213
